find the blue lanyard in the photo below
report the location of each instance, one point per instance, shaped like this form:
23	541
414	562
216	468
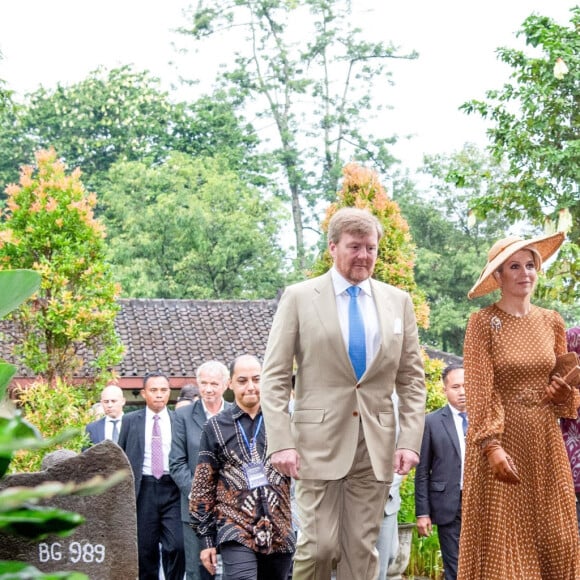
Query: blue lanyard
245	438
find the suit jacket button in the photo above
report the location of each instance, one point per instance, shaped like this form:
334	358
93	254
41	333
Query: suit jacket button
355	413
358	386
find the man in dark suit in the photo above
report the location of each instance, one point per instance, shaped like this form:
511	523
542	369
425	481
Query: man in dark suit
212	380
109	426
146	440
439	475
351	340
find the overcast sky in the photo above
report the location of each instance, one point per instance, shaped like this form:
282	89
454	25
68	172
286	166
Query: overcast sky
49	41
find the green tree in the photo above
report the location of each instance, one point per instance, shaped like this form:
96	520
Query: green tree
20	513
15	144
48	226
452	244
124	115
317	93
536	128
52	408
113	115
191	228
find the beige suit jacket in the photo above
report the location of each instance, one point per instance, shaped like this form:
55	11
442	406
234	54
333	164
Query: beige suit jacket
329	402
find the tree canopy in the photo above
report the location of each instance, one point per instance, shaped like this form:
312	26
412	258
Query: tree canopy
124	115
191	228
536	130
305	69
48	226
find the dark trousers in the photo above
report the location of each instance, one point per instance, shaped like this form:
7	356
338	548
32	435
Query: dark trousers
449	544
241	563
159	522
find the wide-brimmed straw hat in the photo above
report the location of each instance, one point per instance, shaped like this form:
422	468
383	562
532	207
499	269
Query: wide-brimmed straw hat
544	246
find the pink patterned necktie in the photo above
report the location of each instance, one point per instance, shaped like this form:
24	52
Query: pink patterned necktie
156	449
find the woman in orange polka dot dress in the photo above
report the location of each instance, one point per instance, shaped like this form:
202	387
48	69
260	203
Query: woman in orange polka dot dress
518	508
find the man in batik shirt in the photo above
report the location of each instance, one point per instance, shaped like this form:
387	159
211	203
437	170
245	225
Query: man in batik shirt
239	504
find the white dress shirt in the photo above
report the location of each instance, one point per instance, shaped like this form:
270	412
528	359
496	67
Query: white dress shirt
459	428
109	426
368	310
165	427
208	413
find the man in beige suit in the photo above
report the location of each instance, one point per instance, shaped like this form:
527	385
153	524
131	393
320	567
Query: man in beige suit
351	348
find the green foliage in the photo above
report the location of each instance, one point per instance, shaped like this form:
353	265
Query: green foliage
48	226
425	555
17	516
22	571
406	514
536	120
123	115
15	144
435	396
425	559
361	188
191	228
334	69
19	513
53	409
451	245
13	287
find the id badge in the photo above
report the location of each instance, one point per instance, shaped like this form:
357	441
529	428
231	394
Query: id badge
255	475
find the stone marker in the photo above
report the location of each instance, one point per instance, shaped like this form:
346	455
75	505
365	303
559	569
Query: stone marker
53	458
105	546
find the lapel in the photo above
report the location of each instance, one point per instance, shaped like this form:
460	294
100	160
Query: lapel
449	426
324	303
101	429
198	414
386	318
140	429
385	313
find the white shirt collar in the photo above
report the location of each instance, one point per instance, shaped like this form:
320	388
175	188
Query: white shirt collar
209	414
455	411
163	414
109	419
340	283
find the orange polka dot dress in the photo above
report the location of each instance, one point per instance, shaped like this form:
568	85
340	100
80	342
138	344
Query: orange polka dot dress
526	531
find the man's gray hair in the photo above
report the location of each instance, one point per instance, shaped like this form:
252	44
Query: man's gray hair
355	221
213	366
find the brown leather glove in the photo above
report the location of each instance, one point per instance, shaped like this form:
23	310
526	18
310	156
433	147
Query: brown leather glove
557	391
501	463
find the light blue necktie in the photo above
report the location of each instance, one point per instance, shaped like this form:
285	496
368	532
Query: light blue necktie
463	422
357	349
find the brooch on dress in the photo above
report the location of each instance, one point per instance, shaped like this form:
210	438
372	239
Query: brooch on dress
495	323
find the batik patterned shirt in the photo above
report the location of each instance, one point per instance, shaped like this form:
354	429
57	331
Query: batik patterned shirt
222	506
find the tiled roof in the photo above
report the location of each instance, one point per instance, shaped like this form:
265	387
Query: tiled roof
176	336
446	357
